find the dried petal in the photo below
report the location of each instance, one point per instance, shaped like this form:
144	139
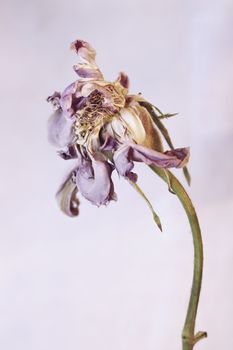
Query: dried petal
70	99
67	197
94	181
88	72
126	154
141	126
171	159
110	143
84	50
156	118
123	80
123	160
182	154
133	124
55	99
70	153
60	131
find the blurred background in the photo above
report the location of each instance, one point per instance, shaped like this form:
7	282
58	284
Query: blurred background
109	279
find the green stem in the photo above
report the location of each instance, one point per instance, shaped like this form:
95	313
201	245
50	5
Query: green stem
189	339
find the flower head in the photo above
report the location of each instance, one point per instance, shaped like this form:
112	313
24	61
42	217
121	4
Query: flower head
103	128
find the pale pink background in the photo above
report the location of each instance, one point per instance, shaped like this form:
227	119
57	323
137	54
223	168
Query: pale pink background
110	279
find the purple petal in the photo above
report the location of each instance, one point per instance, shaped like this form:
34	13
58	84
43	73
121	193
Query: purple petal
88	71
72	100
84	50
60	131
123	160
70	153
109	144
67	98
126	154
171	159
67	197
55	99
182	154
123	80
94	181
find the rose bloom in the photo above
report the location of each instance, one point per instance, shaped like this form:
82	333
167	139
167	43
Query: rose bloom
103	128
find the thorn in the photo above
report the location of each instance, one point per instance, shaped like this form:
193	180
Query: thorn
167	115
171	190
199	336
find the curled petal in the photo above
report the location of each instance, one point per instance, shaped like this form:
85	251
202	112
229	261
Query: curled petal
70	153
88	71
141	126
55	99
126	154
123	160
156	115
118	130
67	197
109	144
133	124
123	79
153	139
66	99
94	181
171	159
182	154
71	99
84	50
60	129
91	86
93	144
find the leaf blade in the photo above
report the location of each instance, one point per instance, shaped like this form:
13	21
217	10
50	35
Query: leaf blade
142	194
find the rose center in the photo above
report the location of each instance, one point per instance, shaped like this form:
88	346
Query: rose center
100	107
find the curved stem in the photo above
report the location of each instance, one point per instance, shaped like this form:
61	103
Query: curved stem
189	339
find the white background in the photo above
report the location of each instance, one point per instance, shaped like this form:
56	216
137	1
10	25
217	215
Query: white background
109	279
